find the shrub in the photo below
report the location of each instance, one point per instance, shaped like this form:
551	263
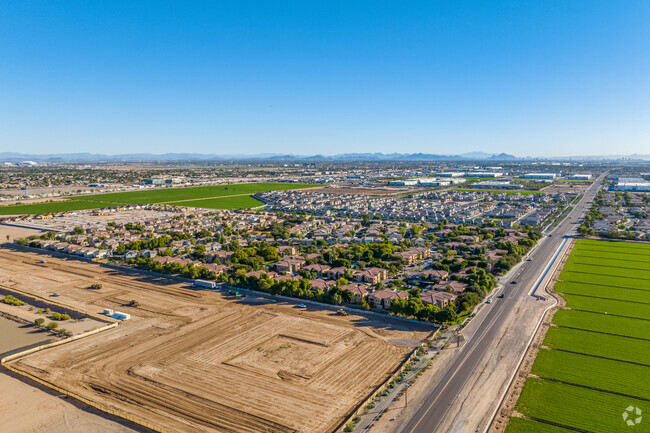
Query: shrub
52	326
57	316
39	322
96	286
12	301
350	427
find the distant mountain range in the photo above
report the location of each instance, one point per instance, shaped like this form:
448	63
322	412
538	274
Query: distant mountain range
92	157
275	157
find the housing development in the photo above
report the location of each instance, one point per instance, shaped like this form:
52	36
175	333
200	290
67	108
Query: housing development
227	302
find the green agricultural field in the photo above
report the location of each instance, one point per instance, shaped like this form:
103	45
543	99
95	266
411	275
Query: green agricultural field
523	425
607	292
239	202
609	306
168	195
596	361
609	262
236	196
593	343
603	245
592	372
604	280
639	259
603	323
53	207
576	407
608	271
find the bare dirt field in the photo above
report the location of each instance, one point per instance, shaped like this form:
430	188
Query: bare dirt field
16	233
363	191
566	187
194	360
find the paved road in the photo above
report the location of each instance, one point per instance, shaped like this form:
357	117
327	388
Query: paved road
435	405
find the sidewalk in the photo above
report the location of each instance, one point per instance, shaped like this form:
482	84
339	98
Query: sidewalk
399	391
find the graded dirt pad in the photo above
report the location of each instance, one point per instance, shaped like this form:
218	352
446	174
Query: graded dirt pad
194	360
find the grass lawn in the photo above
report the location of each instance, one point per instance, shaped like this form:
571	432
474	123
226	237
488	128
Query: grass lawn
240	202
609	306
592	343
622	293
605	374
581	408
603	323
523	425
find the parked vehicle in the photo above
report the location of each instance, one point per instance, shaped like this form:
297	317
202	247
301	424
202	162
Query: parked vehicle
205	283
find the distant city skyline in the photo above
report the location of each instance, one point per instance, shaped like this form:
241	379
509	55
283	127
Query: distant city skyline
539	79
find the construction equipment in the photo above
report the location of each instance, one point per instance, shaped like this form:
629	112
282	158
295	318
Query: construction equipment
134	303
341	312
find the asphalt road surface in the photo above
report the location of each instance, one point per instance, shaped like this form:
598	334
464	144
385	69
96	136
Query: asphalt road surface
517	284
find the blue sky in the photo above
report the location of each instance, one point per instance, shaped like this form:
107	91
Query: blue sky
539	78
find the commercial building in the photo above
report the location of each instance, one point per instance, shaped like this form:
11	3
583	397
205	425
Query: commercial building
451	174
544	176
405	182
492	175
580	177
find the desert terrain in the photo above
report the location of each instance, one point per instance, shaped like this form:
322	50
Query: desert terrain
197	360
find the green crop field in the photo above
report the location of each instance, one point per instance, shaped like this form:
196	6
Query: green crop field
609	262
610	254
576	407
609	306
603	323
596	344
596	362
596	269
597	291
240	202
53	207
522	425
167	195
592	372
234	196
604	280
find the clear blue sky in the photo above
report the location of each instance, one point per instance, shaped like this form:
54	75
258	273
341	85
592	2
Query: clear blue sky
527	77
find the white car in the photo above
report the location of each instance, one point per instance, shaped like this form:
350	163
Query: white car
489	301
301	306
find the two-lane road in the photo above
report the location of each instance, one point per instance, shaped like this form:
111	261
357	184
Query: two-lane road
428	417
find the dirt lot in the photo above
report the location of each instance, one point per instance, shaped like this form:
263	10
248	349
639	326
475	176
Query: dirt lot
363	191
198	361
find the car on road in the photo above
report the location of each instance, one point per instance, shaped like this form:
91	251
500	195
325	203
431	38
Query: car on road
489	301
301	306
274	300
502	295
529	259
513	282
